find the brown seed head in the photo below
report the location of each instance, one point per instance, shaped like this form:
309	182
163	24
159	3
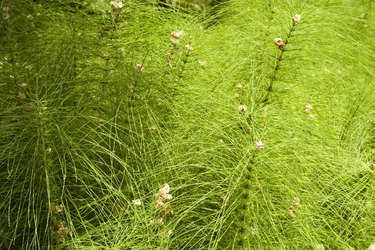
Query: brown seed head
21	96
242	108
188	47
177	34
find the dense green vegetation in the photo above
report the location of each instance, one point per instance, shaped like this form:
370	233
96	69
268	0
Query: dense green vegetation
187	124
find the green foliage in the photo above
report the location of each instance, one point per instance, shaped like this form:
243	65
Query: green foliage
262	146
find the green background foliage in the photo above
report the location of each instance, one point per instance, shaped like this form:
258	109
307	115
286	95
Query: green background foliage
100	107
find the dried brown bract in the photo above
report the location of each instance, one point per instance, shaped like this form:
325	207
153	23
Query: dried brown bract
279	42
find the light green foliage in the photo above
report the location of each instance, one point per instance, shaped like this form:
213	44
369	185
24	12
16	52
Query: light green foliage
197	5
262	146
